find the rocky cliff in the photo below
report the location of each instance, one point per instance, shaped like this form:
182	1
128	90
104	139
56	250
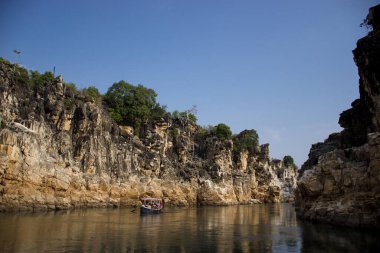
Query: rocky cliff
340	182
60	149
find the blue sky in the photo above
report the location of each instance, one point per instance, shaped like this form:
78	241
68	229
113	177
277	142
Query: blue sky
284	68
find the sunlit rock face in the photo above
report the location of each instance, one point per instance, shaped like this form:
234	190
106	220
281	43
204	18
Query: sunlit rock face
61	150
340	182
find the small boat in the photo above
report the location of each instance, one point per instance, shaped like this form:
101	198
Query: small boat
151	205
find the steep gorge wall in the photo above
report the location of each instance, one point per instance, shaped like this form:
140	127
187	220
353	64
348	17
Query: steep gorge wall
340	182
61	150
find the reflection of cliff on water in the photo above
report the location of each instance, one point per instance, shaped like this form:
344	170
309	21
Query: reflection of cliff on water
326	238
261	228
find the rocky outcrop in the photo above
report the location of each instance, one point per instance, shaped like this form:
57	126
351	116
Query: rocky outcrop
60	149
340	182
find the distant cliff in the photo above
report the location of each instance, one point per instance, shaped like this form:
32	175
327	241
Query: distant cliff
60	149
340	182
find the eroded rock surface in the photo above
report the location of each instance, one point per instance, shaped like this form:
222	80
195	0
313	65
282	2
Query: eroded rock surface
59	149
340	182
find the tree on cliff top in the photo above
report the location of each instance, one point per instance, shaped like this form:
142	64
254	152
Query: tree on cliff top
184	116
31	79
38	80
288	160
132	105
222	131
91	93
246	140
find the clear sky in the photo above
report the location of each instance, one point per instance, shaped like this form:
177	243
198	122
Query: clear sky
284	68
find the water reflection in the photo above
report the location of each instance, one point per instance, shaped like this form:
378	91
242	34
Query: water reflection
325	238
259	228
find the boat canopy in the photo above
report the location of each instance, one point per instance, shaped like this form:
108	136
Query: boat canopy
155	199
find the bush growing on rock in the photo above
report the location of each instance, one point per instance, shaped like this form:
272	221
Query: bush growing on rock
173	133
246	140
222	131
201	134
31	79
38	80
5	61
288	160
91	93
158	112
183	116
22	75
70	89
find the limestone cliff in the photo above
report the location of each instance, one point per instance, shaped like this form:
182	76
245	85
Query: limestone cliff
60	149
340	182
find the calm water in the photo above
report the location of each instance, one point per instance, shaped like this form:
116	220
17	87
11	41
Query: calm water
258	228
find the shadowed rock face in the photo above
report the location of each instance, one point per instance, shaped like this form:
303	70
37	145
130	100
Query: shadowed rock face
61	150
340	182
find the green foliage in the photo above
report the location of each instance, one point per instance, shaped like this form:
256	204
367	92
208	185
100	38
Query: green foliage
127	104
115	115
176	115
222	131
91	94
184	116
288	160
69	103
70	89
158	112
201	134
31	79
173	133
22	75
192	117
132	105
38	80
5	61
246	140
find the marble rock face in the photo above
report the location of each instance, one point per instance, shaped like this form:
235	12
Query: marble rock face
340	182
59	149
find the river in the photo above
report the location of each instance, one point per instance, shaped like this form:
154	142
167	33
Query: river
257	228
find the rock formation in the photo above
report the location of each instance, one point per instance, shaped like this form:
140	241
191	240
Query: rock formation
60	149
340	182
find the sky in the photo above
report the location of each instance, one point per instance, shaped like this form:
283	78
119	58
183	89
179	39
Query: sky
283	68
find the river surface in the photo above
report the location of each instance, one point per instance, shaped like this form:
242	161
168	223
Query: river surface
257	228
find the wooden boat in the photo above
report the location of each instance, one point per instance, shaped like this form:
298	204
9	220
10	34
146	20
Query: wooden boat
151	205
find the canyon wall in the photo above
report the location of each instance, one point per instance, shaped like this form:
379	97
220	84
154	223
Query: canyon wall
60	149
340	182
